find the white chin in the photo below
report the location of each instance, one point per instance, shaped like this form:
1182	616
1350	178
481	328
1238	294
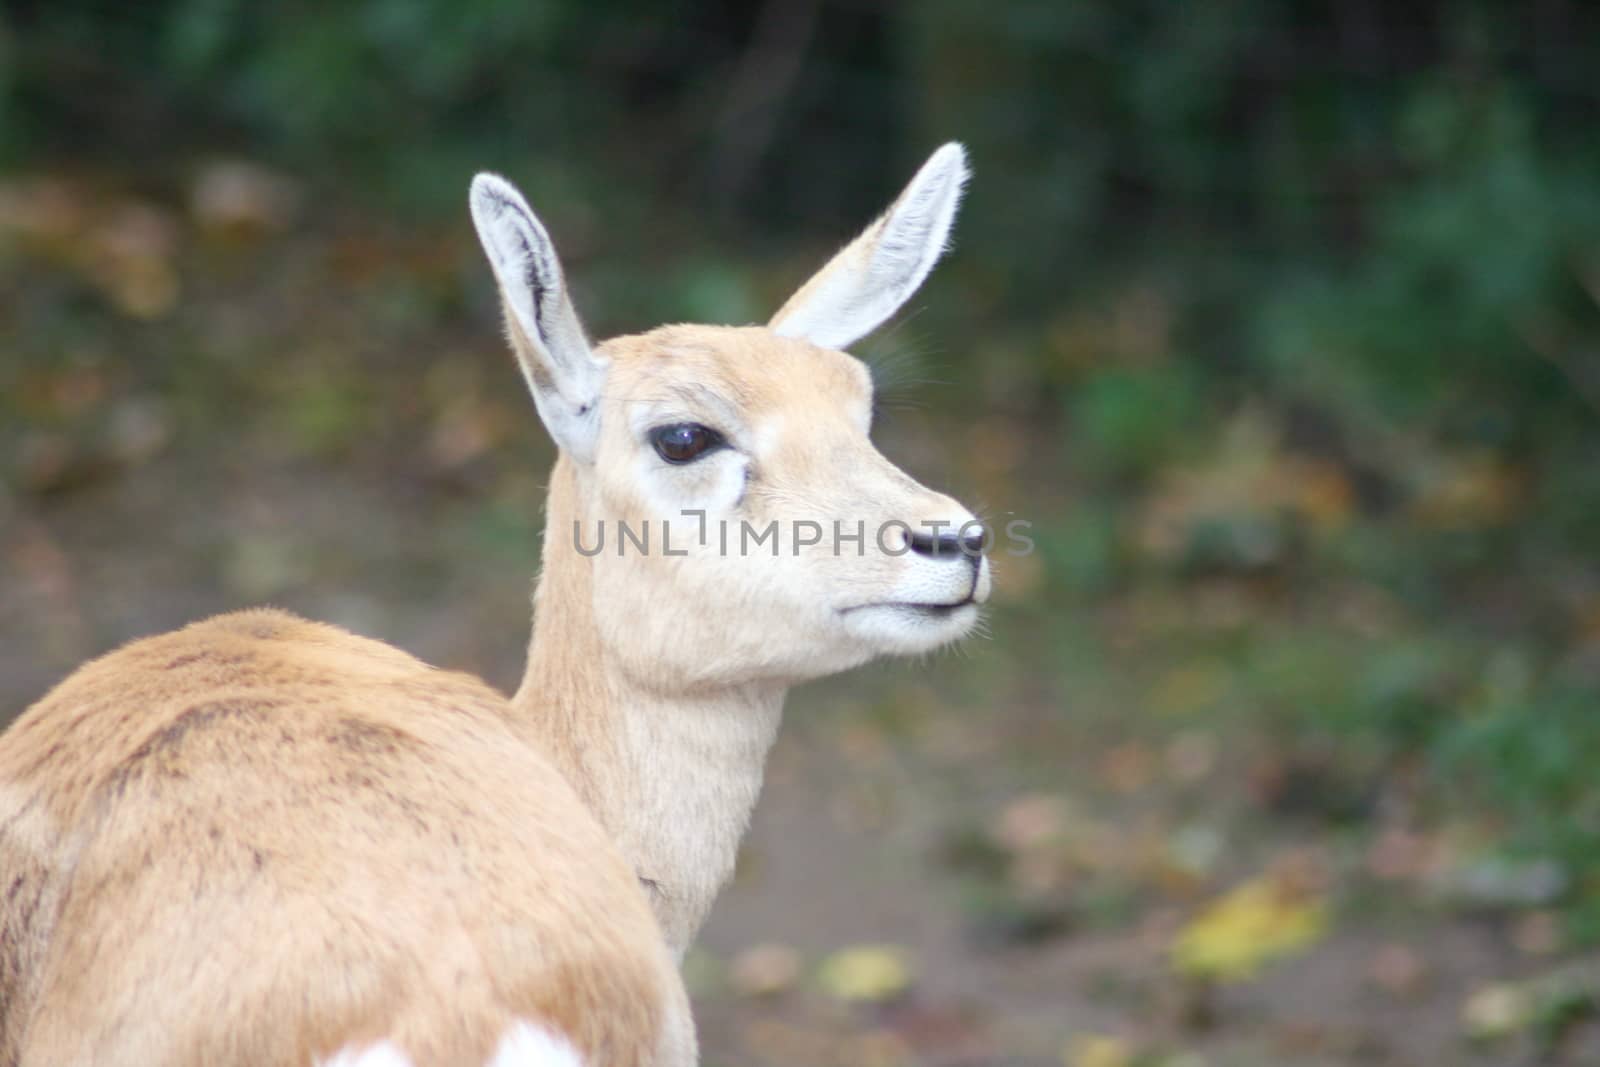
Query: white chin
904	630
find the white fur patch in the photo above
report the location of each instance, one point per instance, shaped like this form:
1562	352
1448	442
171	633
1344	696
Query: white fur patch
383	1054
524	1045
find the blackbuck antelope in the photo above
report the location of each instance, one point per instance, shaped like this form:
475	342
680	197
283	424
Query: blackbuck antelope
265	841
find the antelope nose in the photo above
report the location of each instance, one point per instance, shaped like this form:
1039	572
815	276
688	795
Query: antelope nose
968	541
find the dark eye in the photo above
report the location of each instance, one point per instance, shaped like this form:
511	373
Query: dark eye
685	442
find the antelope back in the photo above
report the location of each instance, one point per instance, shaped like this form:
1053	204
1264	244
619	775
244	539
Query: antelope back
262	840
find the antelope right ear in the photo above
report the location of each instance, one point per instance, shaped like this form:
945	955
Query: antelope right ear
563	373
877	272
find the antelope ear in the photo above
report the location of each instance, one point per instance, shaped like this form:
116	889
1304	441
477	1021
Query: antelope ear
877	272
563	374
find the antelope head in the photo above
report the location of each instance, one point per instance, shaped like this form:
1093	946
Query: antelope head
721	483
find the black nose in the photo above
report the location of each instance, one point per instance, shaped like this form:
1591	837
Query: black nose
968	541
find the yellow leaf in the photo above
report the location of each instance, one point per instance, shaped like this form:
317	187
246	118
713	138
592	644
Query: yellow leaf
1252	924
869	973
1098	1050
1497	1010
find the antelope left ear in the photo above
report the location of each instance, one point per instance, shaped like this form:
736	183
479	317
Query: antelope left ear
875	274
563	373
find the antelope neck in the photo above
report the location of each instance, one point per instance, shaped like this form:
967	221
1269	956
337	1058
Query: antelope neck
672	776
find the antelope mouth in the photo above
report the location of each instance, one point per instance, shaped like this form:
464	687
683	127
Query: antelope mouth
918	608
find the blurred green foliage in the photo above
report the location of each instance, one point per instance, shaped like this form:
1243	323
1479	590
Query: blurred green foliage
1299	297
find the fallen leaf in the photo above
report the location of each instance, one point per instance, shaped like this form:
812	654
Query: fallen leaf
765	970
866	973
1549	1004
1252	924
1098	1050
1497	1010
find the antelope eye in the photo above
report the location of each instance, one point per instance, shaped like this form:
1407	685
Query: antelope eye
685	442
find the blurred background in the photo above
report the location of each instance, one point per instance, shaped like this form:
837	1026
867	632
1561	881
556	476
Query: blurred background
1279	321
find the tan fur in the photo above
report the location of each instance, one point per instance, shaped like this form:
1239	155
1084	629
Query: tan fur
263	840
663	717
259	839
